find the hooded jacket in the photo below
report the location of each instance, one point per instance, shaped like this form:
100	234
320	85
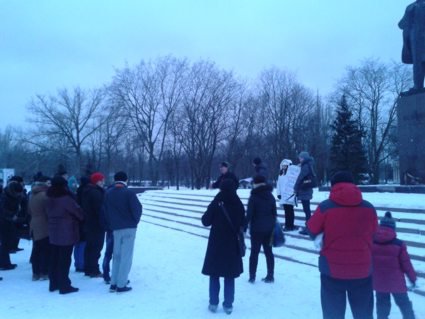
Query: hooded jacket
348	224
261	214
390	262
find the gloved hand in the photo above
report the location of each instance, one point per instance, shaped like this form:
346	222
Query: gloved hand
412	285
279	197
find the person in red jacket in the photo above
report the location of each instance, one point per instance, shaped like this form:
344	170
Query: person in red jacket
390	262
348	224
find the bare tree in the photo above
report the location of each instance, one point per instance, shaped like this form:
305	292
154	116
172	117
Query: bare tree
373	89
69	116
150	93
208	96
286	105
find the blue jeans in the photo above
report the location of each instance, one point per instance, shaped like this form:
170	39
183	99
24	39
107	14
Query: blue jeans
229	291
79	255
107	257
383	305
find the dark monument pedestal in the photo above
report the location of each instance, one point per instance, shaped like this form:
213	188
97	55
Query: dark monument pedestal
411	138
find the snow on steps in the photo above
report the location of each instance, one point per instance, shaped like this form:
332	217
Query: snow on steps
182	210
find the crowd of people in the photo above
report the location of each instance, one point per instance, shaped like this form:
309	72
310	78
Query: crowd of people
357	256
65	218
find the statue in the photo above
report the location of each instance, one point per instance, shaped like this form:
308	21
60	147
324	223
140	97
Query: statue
413	26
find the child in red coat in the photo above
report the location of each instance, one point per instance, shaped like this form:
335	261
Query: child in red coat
390	263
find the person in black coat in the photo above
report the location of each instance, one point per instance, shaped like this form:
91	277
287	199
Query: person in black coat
225	174
223	257
80	247
303	188
261	219
10	201
260	168
92	201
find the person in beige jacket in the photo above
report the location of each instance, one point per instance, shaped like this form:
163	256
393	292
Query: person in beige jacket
39	229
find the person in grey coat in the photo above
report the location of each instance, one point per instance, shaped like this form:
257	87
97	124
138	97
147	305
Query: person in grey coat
122	213
303	188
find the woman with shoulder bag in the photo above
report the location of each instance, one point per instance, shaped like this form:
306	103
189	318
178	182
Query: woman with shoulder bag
223	256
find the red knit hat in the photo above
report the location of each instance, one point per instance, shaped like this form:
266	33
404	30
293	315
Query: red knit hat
96	177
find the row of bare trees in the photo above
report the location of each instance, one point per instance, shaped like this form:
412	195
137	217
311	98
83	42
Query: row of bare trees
173	120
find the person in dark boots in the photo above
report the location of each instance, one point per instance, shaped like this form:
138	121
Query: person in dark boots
390	264
9	207
37	208
92	201
304	185
261	218
63	216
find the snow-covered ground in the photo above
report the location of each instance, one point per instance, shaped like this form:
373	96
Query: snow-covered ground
167	282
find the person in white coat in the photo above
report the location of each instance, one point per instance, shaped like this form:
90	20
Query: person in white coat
286	201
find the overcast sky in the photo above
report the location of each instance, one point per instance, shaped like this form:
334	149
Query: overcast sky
46	45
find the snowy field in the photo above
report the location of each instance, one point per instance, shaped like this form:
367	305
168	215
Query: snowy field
167	281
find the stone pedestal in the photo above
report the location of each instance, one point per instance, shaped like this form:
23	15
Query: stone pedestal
411	138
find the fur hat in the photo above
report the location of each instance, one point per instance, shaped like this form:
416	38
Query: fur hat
342	177
285	162
96	177
388	221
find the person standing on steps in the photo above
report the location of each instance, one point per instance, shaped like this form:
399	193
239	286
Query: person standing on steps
391	262
304	185
260	168
122	211
261	218
223	257
287	203
225	174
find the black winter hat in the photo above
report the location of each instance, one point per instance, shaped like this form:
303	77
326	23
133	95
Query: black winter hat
224	164
120	177
16	178
388	221
257	161
342	177
15	187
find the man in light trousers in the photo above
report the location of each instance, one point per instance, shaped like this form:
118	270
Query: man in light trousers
122	211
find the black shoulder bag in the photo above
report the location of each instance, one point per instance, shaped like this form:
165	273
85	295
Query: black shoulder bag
239	233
